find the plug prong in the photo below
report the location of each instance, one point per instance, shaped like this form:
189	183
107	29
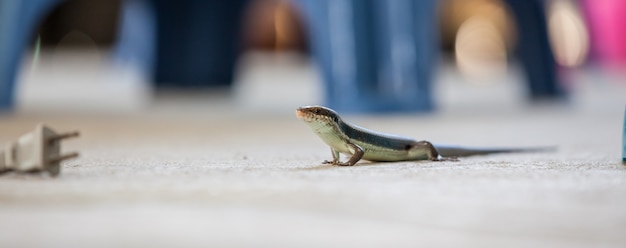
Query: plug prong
64	136
63	157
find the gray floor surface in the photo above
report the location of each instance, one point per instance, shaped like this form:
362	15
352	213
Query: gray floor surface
220	176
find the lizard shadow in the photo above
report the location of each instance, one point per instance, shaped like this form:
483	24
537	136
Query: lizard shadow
363	164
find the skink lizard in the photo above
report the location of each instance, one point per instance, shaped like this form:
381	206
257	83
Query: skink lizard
361	143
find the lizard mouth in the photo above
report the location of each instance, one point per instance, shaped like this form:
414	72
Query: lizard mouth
303	115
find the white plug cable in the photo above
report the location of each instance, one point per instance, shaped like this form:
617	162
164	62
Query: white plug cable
38	150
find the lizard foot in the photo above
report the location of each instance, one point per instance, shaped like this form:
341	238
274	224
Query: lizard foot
344	164
333	162
452	159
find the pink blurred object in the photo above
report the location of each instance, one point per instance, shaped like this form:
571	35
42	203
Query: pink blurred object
607	25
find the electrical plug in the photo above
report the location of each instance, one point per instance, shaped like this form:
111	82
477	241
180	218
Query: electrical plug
38	150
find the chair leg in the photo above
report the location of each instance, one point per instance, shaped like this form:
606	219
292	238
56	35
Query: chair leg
18	20
534	50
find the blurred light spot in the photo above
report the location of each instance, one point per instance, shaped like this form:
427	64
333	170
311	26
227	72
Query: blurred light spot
274	26
480	49
282	26
456	12
36	54
568	35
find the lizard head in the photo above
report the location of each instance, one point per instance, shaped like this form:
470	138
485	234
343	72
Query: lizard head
324	122
317	114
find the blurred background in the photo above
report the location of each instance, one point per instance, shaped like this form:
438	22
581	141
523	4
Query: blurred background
188	134
355	56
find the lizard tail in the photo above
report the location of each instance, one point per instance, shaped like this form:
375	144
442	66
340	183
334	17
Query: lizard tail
457	151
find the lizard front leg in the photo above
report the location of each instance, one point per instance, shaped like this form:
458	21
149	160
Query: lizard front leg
335	160
357	154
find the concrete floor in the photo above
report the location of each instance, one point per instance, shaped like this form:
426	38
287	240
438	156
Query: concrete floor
216	174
